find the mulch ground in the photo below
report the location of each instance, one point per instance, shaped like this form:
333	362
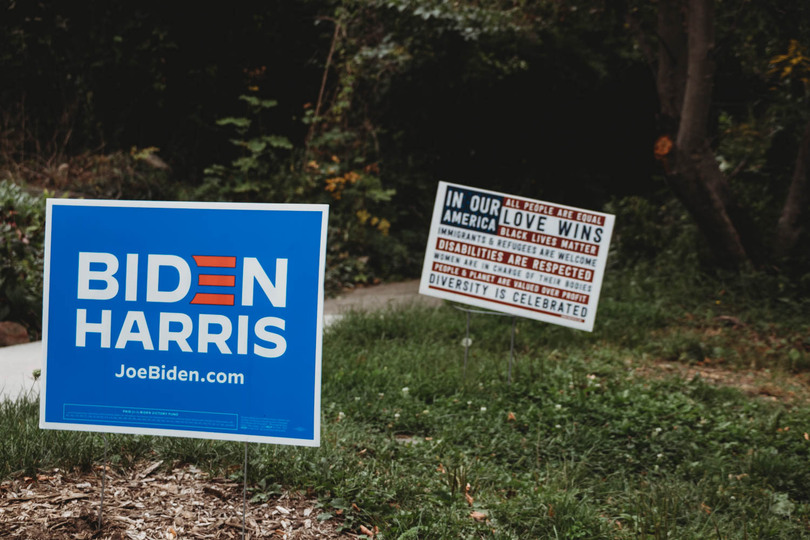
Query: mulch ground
151	503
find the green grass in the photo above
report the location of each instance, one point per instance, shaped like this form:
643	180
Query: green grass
578	446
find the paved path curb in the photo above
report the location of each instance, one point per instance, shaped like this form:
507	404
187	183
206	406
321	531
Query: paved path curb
18	362
17	365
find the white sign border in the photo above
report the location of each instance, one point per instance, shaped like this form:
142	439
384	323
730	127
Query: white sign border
424	286
321	208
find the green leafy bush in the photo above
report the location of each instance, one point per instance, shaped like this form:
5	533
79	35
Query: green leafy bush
656	230
22	236
333	170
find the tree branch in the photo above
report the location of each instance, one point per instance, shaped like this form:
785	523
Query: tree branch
326	68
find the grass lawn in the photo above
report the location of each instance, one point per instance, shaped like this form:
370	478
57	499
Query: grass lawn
598	436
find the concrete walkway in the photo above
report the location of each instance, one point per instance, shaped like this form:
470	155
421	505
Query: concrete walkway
18	362
375	298
17	365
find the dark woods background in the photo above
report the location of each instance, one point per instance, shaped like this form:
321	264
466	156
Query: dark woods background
365	105
158	74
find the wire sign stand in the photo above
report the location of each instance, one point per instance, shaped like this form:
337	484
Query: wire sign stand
468	341
244	492
103	483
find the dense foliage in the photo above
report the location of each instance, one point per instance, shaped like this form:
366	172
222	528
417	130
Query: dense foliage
365	105
22	234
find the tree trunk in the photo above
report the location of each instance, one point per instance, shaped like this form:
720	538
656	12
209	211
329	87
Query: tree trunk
791	221
698	182
694	173
685	70
672	57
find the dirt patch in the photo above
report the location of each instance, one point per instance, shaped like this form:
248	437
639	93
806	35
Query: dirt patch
758	383
149	503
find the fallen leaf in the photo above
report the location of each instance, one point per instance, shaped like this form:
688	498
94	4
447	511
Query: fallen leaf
467	495
215	492
73	496
151	468
511	417
706	508
478	516
365	530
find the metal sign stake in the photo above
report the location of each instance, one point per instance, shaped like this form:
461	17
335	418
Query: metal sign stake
466	346
467	341
511	351
103	482
244	491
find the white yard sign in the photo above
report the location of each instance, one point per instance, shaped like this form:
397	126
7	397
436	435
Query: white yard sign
520	256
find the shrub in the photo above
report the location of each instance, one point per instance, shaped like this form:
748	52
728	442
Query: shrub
22	236
269	168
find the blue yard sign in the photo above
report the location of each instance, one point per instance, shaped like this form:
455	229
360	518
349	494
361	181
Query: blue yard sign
184	319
